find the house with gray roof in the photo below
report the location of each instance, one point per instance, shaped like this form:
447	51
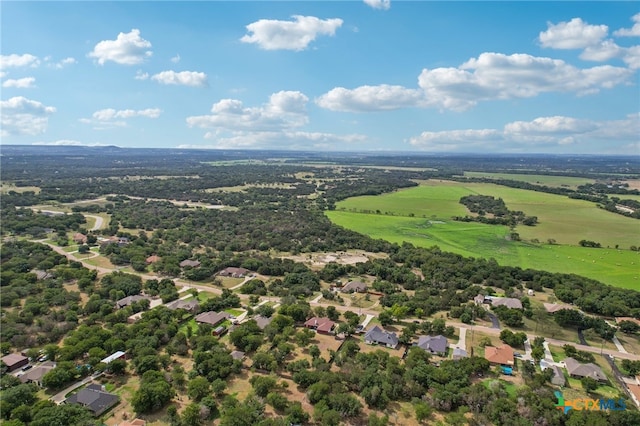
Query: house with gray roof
379	336
188	305
509	302
459	353
436	345
36	374
94	398
578	370
126	301
262	321
212	318
354	286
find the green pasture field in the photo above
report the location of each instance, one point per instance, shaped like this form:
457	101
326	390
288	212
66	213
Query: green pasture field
562	219
552	181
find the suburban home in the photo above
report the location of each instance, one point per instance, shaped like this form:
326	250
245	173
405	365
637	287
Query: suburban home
211	318
121	241
15	361
480	299
190	263
501	355
354	286
79	238
94	398
187	305
578	370
379	336
558	376
433	344
262	321
114	356
42	275
234	272
321	325
509	302
126	301
36	374
152	259
459	353
552	308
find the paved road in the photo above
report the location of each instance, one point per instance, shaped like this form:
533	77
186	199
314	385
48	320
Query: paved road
581	338
494	320
462	342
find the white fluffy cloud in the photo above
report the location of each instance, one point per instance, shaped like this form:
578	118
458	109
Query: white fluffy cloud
378	4
491	76
285	109
283	140
140	75
371	98
630	32
22	116
175	59
18	61
127	49
523	136
296	35
109	118
575	34
183	78
20	83
62	63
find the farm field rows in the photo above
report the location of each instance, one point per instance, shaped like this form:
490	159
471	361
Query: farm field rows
422	216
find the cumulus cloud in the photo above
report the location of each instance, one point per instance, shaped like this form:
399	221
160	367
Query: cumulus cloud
630	32
127	49
378	4
108	118
22	116
289	35
523	136
490	76
371	98
62	63
183	78
575	34
175	59
18	61
20	83
140	75
285	109
631	57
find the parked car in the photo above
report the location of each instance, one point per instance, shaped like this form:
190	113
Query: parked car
27	367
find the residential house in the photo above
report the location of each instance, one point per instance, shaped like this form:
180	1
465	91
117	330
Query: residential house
234	272
578	370
42	275
354	286
15	361
262	321
379	336
188	305
321	325
239	355
459	353
558	376
79	238
94	398
190	263
433	344
211	318
501	355
36	374
152	259
480	299
126	301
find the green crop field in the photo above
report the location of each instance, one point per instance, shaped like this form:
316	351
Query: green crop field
422	216
553	181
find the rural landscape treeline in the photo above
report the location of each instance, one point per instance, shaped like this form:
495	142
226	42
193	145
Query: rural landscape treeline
109	250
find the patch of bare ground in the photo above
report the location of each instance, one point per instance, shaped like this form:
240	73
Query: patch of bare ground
633	183
84	297
320	259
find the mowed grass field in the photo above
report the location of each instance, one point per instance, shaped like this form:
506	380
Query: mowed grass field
422	216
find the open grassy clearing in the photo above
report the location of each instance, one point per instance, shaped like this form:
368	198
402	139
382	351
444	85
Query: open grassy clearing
552	181
5	187
422	215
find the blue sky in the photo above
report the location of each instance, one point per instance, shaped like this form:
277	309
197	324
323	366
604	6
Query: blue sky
444	77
